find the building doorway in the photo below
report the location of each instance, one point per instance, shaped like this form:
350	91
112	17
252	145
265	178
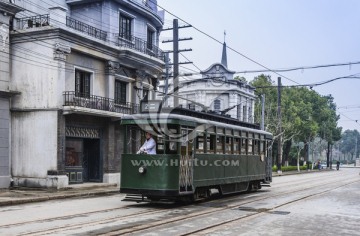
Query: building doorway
82	160
91	161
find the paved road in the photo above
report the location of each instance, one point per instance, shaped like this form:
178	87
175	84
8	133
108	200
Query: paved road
307	204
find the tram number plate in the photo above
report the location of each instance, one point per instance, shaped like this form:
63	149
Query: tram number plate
150	106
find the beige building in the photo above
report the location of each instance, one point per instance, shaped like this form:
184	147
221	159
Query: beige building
75	65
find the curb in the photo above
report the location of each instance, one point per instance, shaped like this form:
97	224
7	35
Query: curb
275	174
55	197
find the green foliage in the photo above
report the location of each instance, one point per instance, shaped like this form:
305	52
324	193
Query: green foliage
243	79
349	140
289	168
305	114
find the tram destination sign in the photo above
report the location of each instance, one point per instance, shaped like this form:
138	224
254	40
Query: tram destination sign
150	106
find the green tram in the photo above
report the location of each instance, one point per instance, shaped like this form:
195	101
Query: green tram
196	152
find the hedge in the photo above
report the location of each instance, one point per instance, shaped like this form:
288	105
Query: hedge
289	168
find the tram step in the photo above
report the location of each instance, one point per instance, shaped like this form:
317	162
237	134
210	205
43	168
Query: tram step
135	198
265	185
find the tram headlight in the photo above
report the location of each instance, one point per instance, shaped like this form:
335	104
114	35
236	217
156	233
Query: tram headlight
142	169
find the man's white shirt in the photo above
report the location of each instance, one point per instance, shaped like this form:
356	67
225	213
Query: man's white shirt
149	146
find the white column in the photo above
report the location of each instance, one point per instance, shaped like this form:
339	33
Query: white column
232	103
58	16
111	68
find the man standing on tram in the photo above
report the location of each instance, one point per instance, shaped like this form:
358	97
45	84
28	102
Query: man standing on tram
149	146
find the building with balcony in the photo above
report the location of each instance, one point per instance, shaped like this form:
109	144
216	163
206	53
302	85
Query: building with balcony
7	12
216	91
78	66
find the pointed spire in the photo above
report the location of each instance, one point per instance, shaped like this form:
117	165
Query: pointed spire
224	56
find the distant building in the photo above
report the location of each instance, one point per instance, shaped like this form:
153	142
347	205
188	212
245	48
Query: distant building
7	12
217	91
77	67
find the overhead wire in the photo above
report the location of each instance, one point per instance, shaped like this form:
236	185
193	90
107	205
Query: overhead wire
267	69
232	49
246	71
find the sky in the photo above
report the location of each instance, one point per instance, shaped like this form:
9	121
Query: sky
277	34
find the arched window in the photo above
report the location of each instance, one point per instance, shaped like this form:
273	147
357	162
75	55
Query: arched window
217	105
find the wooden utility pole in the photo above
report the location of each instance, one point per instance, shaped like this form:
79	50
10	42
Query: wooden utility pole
176	52
176	61
166	87
356	146
263	112
279	159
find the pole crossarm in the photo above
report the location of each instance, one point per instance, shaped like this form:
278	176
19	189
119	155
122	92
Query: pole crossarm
223	112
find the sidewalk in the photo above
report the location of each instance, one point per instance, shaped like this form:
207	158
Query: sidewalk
15	196
295	172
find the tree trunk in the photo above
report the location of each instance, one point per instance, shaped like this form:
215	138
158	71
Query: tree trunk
307	154
328	155
286	152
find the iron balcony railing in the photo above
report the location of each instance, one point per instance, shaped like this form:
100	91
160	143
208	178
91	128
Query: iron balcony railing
138	44
124	40
72	98
85	28
33	21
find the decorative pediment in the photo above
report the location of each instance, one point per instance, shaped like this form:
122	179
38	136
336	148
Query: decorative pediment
114	68
61	51
217	68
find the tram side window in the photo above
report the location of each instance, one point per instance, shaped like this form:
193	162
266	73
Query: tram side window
250	146
200	143
243	146
211	139
186	142
171	147
262	150
256	147
134	139
160	144
266	145
237	145
228	145
220	145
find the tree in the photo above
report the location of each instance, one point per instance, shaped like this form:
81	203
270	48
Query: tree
328	128
348	142
299	146
305	115
242	79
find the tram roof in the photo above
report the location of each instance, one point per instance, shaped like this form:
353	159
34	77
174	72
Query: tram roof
186	119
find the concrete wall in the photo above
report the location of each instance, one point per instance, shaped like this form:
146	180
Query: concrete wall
37	77
89	14
40	7
89	64
105	16
4	143
34	147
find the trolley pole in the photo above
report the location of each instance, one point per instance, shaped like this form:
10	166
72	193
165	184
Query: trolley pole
279	160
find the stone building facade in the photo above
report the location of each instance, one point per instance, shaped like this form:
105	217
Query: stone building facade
7	12
79	66
216	91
